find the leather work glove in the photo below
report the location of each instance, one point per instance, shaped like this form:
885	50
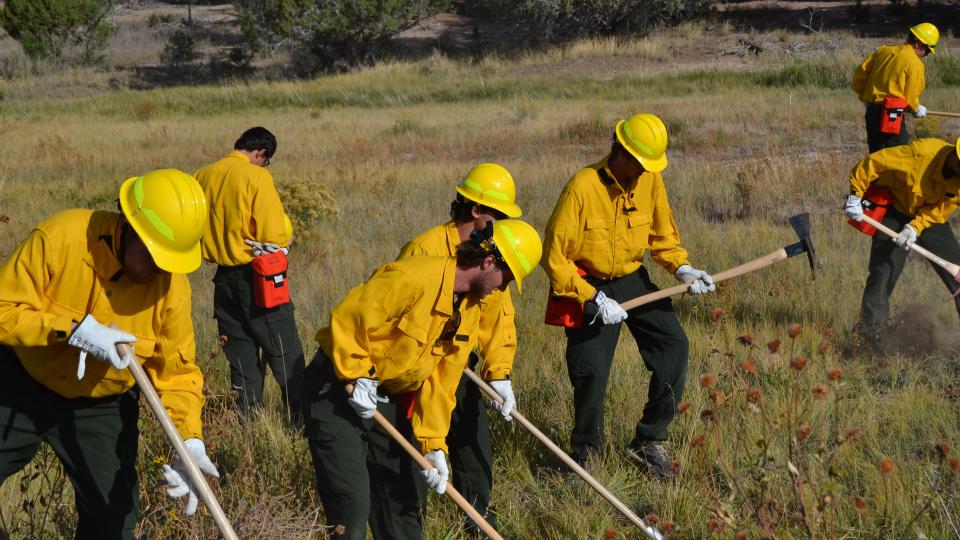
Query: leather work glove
436	478
264	248
700	281
907	236
608	310
505	388
178	480
921	112
91	337
853	208
364	397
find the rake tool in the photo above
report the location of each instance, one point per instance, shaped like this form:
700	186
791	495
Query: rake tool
567	460
800	224
425	465
942	113
193	472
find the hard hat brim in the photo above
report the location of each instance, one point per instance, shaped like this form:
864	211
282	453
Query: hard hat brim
509	209
650	164
175	262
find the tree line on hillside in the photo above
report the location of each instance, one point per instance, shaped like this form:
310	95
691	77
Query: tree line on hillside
325	35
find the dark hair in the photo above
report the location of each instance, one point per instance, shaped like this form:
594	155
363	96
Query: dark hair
912	39
472	252
257	138
461	210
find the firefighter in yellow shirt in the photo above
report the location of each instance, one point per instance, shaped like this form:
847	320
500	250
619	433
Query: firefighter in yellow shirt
402	339
486	194
923	181
247	220
75	275
889	82
608	216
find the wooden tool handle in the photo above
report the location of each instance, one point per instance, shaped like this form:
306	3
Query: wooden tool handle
744	268
567	460
942	113
193	472
954	269
425	465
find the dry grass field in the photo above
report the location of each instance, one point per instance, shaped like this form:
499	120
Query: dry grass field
789	429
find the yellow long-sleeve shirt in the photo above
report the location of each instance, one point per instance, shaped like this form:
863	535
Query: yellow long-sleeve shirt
244	204
914	175
606	231
498	330
893	70
67	268
389	328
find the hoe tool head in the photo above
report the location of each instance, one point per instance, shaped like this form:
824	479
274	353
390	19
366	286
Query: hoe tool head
801	225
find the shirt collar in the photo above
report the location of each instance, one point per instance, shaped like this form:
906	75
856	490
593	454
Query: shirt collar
102	255
444	303
239	154
453	237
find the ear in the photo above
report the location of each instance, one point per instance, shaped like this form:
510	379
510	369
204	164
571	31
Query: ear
489	262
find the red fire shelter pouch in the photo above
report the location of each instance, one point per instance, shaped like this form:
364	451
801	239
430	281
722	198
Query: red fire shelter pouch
891	117
875	203
270	280
563	311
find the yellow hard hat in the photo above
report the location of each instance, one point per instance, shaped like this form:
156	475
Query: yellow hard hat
288	227
520	246
168	211
927	34
491	185
645	137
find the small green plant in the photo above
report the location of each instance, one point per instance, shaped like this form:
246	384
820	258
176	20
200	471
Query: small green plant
307	204
180	50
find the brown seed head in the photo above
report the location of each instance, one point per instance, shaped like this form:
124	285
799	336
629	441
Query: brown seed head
886	466
851	434
715	526
675	466
748	366
755	396
824	346
798	362
611	534
696	441
683	407
820	391
666	527
707	380
859	502
804	432
741	535
717	314
835	374
944	448
745	338
651	519
773	346
707	415
954	464
793	330
717	398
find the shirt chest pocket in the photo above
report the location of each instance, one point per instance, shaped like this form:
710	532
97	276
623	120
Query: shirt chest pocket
638	232
410	344
596	235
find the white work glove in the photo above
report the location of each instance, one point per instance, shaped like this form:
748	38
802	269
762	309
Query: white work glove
364	397
505	388
700	281
853	208
436	478
921	112
178	480
91	337
608	310
907	236
264	248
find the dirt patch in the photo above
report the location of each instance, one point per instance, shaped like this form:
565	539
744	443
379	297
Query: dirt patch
919	329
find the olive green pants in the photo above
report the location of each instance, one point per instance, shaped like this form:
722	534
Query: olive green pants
362	474
663	347
94	438
255	338
876	139
887	261
471	452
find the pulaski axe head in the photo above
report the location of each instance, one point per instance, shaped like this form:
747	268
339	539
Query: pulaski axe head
801	225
